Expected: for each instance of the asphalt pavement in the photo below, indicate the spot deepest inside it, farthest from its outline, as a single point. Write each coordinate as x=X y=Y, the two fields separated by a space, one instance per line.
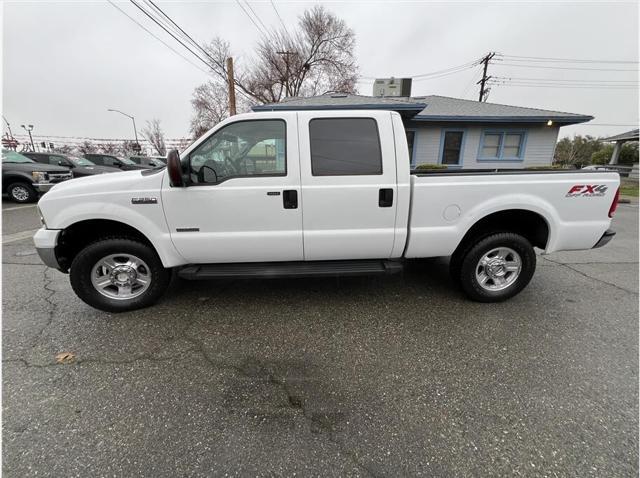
x=385 y=376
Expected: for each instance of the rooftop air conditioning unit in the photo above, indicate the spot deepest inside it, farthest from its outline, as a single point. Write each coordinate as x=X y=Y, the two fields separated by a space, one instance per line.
x=392 y=87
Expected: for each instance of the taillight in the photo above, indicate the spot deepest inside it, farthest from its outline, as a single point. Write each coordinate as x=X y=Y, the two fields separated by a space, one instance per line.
x=614 y=204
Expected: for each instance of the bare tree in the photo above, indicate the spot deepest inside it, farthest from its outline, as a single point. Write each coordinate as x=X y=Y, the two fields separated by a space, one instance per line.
x=210 y=104
x=63 y=149
x=153 y=133
x=128 y=148
x=87 y=147
x=109 y=148
x=317 y=58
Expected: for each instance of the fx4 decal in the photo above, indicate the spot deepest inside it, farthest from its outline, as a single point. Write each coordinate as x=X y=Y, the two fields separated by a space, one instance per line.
x=587 y=190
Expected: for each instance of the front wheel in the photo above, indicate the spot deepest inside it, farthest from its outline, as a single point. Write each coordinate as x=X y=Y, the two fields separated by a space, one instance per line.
x=498 y=267
x=22 y=193
x=118 y=274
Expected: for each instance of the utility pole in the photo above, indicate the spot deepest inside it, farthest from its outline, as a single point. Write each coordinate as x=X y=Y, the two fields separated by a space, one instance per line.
x=484 y=92
x=232 y=87
x=28 y=129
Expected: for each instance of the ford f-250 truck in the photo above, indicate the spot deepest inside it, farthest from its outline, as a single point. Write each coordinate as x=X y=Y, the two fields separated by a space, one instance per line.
x=312 y=193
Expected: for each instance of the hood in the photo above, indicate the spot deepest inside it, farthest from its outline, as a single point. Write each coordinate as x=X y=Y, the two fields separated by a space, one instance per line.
x=138 y=166
x=29 y=167
x=95 y=169
x=100 y=196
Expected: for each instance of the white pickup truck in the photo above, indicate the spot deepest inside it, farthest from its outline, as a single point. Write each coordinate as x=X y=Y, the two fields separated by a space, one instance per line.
x=312 y=193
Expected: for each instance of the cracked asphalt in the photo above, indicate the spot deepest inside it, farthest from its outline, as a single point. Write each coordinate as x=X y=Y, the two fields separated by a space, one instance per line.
x=387 y=376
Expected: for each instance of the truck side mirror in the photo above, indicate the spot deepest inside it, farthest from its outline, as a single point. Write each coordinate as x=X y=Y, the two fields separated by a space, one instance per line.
x=175 y=169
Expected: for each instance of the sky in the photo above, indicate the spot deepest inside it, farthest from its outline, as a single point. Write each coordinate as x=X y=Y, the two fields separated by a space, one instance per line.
x=65 y=63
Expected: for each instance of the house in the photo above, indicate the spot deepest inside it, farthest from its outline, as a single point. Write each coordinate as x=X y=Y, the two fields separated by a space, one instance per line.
x=619 y=140
x=459 y=133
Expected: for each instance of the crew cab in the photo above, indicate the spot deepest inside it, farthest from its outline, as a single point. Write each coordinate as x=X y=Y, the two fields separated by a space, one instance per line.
x=305 y=193
x=23 y=179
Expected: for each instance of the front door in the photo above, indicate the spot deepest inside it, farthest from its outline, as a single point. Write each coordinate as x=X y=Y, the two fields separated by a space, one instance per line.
x=349 y=188
x=243 y=201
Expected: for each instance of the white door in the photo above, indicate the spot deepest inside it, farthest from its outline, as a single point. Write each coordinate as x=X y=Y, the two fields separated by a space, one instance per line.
x=242 y=203
x=349 y=188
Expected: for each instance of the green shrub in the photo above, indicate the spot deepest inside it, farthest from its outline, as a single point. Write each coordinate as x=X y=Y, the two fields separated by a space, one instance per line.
x=431 y=166
x=545 y=168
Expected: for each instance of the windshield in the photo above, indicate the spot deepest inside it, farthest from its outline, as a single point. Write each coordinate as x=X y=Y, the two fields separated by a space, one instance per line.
x=13 y=157
x=126 y=161
x=78 y=161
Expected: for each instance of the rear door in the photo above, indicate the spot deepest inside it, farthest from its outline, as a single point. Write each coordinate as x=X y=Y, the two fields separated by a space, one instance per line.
x=349 y=187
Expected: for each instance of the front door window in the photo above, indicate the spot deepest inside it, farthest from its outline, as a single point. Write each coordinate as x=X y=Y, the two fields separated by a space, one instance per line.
x=242 y=149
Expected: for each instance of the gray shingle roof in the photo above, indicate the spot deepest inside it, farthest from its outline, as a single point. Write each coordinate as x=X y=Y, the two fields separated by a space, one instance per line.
x=344 y=101
x=456 y=109
x=430 y=108
x=628 y=136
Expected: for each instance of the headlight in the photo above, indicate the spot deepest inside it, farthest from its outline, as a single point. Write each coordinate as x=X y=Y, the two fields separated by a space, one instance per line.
x=42 y=221
x=40 y=177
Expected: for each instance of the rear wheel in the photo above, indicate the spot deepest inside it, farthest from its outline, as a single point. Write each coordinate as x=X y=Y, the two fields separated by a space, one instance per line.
x=497 y=267
x=118 y=274
x=22 y=192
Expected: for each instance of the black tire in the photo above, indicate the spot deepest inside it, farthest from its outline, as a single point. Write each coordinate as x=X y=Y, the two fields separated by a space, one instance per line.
x=22 y=192
x=87 y=258
x=467 y=264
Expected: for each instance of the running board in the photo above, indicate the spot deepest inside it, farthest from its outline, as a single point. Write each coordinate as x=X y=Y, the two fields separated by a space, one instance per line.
x=268 y=270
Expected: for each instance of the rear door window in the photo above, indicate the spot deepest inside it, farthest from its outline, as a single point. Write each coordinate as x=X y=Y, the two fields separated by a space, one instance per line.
x=345 y=147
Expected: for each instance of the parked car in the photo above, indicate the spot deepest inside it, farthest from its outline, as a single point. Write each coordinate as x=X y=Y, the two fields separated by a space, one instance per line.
x=153 y=161
x=23 y=179
x=114 y=161
x=304 y=193
x=81 y=166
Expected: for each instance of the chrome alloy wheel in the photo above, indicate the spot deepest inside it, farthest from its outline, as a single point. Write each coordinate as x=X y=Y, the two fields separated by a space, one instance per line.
x=498 y=268
x=20 y=193
x=121 y=276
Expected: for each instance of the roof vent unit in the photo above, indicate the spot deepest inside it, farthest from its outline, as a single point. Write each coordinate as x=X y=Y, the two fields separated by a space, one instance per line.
x=392 y=87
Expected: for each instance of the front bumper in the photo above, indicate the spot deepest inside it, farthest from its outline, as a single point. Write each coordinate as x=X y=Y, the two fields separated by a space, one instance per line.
x=43 y=187
x=606 y=237
x=46 y=241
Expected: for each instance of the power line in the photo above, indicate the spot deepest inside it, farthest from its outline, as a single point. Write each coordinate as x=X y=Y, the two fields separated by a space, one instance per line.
x=183 y=33
x=564 y=67
x=534 y=85
x=256 y=16
x=157 y=38
x=186 y=37
x=434 y=74
x=543 y=59
x=251 y=18
x=563 y=80
x=474 y=78
x=170 y=33
x=280 y=18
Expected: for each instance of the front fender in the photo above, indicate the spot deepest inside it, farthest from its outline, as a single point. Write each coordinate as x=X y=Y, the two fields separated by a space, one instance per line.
x=148 y=220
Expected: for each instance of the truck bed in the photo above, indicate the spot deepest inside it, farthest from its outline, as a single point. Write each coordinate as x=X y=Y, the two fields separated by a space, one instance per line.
x=445 y=204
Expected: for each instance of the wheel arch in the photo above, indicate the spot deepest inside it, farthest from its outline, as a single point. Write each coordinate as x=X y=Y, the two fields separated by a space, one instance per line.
x=534 y=225
x=10 y=179
x=74 y=237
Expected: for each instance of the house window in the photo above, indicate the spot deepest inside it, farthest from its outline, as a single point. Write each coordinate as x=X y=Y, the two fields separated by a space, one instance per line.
x=451 y=147
x=411 y=138
x=502 y=145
